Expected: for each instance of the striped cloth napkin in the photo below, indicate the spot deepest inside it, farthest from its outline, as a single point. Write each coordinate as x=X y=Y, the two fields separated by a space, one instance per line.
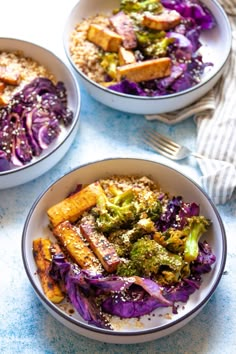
x=215 y=116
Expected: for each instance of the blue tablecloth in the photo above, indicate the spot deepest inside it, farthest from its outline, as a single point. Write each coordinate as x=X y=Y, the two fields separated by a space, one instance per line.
x=25 y=325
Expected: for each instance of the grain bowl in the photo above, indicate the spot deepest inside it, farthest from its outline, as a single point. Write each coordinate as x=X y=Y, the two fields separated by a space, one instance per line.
x=133 y=308
x=39 y=111
x=165 y=69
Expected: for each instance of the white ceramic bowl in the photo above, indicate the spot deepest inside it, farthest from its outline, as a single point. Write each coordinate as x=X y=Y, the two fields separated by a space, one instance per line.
x=170 y=180
x=216 y=44
x=59 y=147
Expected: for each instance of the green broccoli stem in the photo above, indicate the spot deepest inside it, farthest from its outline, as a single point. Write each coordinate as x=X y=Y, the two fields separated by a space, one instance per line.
x=191 y=245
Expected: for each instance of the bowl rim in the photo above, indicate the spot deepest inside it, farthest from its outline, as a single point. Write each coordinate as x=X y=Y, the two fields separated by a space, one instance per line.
x=146 y=98
x=98 y=330
x=76 y=113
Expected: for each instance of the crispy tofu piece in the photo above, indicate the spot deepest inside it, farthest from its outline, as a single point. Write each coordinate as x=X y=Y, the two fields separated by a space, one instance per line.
x=146 y=70
x=108 y=83
x=42 y=257
x=100 y=245
x=73 y=206
x=2 y=87
x=162 y=22
x=9 y=76
x=124 y=27
x=126 y=56
x=105 y=38
x=71 y=241
x=3 y=101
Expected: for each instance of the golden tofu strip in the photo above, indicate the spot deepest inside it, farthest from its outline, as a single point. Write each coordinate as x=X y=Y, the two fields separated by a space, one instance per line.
x=73 y=206
x=126 y=56
x=162 y=22
x=42 y=257
x=8 y=76
x=124 y=27
x=105 y=38
x=100 y=245
x=2 y=87
x=146 y=70
x=70 y=240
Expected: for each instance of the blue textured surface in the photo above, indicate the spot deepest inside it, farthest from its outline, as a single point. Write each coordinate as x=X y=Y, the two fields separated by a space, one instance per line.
x=25 y=326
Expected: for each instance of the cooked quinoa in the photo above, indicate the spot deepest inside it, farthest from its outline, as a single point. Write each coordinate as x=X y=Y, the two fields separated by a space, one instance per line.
x=85 y=54
x=27 y=69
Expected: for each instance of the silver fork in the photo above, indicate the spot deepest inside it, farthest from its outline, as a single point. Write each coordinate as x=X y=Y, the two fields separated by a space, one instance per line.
x=166 y=146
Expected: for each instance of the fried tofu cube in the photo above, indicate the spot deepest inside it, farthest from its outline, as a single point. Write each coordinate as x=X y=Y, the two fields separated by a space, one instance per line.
x=124 y=27
x=105 y=38
x=144 y=71
x=42 y=257
x=126 y=56
x=162 y=22
x=73 y=206
x=100 y=245
x=9 y=76
x=3 y=101
x=71 y=241
x=2 y=87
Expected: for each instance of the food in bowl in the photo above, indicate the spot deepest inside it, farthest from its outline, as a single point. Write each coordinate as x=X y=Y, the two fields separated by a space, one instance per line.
x=33 y=108
x=145 y=48
x=122 y=247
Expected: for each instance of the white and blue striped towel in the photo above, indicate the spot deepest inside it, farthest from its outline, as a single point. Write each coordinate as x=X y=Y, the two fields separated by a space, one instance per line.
x=215 y=116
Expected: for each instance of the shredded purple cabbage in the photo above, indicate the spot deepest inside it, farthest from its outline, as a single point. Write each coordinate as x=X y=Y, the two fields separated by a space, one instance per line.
x=126 y=297
x=187 y=63
x=192 y=9
x=32 y=121
x=176 y=214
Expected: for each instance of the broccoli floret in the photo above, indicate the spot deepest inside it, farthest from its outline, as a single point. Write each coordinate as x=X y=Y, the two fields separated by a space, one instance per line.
x=115 y=212
x=148 y=205
x=158 y=48
x=184 y=241
x=123 y=240
x=197 y=226
x=129 y=6
x=145 y=38
x=172 y=239
x=109 y=62
x=148 y=258
x=152 y=43
x=124 y=208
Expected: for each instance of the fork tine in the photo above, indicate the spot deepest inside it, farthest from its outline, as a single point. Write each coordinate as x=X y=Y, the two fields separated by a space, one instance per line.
x=160 y=144
x=164 y=140
x=159 y=147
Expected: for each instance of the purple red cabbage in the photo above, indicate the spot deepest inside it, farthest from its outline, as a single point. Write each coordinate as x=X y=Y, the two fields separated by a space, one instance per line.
x=32 y=121
x=126 y=297
x=192 y=9
x=187 y=63
x=176 y=213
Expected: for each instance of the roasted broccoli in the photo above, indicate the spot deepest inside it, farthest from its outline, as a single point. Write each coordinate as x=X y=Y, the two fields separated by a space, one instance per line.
x=148 y=258
x=123 y=208
x=123 y=240
x=109 y=62
x=146 y=38
x=153 y=44
x=129 y=6
x=148 y=205
x=184 y=241
x=113 y=213
x=172 y=239
x=197 y=226
x=158 y=48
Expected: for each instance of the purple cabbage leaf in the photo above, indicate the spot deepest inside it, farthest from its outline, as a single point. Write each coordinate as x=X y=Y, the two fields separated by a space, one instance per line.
x=32 y=121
